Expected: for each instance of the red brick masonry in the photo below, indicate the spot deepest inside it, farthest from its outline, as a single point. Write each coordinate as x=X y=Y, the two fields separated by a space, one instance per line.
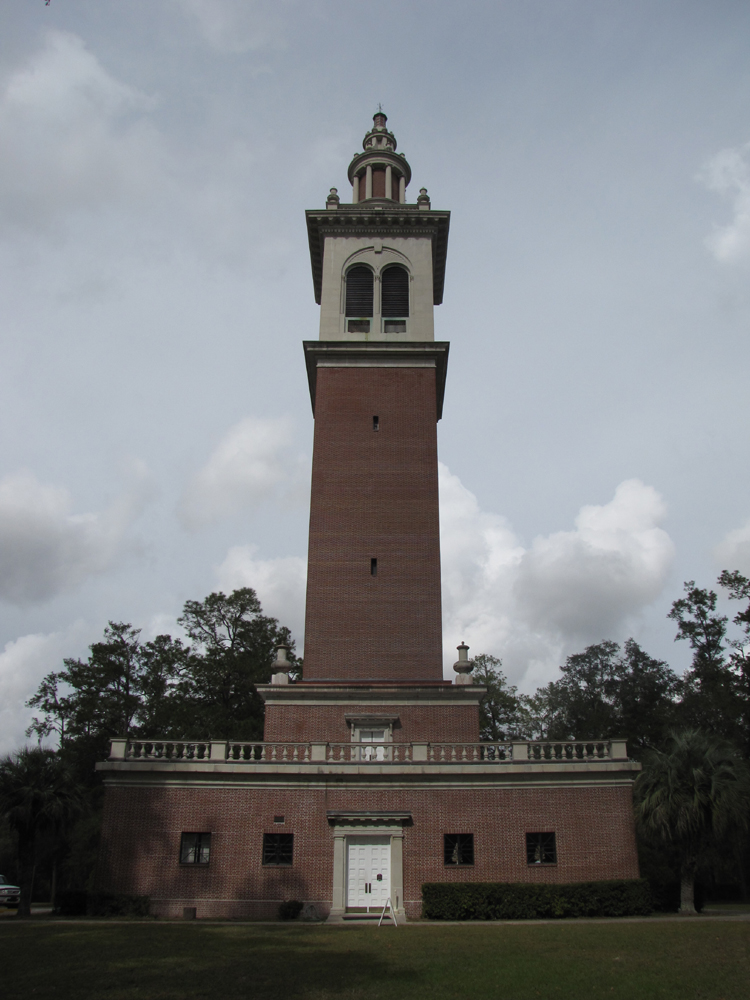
x=374 y=496
x=448 y=723
x=142 y=827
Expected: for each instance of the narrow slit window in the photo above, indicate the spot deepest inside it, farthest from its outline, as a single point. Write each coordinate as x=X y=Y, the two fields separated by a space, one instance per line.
x=376 y=423
x=373 y=567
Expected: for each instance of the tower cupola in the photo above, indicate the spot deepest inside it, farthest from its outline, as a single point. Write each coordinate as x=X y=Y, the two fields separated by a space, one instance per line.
x=379 y=171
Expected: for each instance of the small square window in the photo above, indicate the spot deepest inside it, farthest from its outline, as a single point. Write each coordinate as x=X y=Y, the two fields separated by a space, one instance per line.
x=278 y=819
x=541 y=849
x=458 y=848
x=278 y=848
x=195 y=848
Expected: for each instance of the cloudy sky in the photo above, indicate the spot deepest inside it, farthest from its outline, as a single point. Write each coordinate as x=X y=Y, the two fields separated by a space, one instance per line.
x=156 y=158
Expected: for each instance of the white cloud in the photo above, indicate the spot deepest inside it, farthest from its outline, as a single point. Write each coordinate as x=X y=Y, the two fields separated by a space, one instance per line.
x=23 y=664
x=44 y=548
x=728 y=174
x=237 y=25
x=72 y=137
x=251 y=463
x=279 y=583
x=530 y=606
x=733 y=551
x=533 y=605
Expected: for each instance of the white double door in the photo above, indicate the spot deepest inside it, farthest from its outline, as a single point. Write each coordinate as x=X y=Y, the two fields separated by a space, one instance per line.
x=368 y=871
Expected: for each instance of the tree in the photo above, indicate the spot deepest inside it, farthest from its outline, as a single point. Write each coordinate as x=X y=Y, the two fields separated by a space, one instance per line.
x=38 y=793
x=502 y=714
x=235 y=645
x=739 y=658
x=165 y=688
x=711 y=694
x=608 y=692
x=693 y=795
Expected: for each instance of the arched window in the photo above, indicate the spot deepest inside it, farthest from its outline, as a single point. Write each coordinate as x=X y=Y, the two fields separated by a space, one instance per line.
x=395 y=292
x=359 y=291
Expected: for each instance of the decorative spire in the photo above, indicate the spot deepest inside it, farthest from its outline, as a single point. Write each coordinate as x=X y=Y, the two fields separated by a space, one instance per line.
x=379 y=171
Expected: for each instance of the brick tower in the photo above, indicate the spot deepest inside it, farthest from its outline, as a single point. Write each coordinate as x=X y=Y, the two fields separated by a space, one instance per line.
x=377 y=375
x=376 y=381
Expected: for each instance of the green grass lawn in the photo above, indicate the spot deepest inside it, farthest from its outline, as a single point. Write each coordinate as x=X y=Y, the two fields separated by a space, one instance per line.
x=566 y=961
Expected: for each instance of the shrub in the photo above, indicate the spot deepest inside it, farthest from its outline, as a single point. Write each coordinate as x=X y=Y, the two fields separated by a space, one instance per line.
x=290 y=909
x=79 y=903
x=522 y=901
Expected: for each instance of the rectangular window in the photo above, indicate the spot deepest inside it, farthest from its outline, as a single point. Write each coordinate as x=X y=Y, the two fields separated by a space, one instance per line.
x=278 y=819
x=458 y=848
x=373 y=567
x=278 y=848
x=195 y=848
x=541 y=849
x=376 y=423
x=358 y=326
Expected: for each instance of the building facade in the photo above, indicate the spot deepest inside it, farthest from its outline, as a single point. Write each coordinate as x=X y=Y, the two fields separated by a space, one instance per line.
x=371 y=779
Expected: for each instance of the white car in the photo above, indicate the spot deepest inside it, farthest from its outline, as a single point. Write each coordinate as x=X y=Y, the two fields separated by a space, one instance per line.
x=10 y=895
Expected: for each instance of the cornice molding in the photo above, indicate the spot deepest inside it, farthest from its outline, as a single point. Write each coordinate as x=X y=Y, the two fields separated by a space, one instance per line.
x=383 y=218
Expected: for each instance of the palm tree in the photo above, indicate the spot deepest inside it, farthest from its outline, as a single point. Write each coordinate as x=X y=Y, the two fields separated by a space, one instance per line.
x=37 y=792
x=693 y=794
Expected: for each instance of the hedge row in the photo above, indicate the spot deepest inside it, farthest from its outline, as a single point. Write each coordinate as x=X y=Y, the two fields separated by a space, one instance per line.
x=80 y=903
x=522 y=901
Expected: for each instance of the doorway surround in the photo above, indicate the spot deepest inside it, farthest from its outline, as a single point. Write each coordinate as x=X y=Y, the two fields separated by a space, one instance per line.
x=347 y=826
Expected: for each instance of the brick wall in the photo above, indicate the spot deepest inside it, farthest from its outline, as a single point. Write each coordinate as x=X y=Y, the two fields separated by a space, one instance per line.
x=374 y=495
x=416 y=723
x=142 y=827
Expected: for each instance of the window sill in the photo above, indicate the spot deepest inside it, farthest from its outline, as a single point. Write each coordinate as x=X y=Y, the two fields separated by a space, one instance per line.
x=194 y=864
x=541 y=864
x=276 y=864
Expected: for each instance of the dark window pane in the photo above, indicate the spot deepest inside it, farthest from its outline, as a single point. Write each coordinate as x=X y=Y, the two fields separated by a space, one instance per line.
x=395 y=291
x=541 y=849
x=359 y=283
x=195 y=848
x=278 y=848
x=458 y=848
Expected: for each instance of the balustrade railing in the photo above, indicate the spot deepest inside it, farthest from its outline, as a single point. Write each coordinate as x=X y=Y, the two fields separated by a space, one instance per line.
x=167 y=750
x=257 y=752
x=369 y=753
x=276 y=753
x=571 y=750
x=469 y=753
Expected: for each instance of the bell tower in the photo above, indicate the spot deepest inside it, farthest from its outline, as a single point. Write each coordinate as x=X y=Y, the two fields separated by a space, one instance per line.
x=376 y=381
x=373 y=666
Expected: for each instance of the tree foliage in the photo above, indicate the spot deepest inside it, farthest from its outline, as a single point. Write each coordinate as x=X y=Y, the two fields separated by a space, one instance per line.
x=693 y=795
x=165 y=687
x=38 y=793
